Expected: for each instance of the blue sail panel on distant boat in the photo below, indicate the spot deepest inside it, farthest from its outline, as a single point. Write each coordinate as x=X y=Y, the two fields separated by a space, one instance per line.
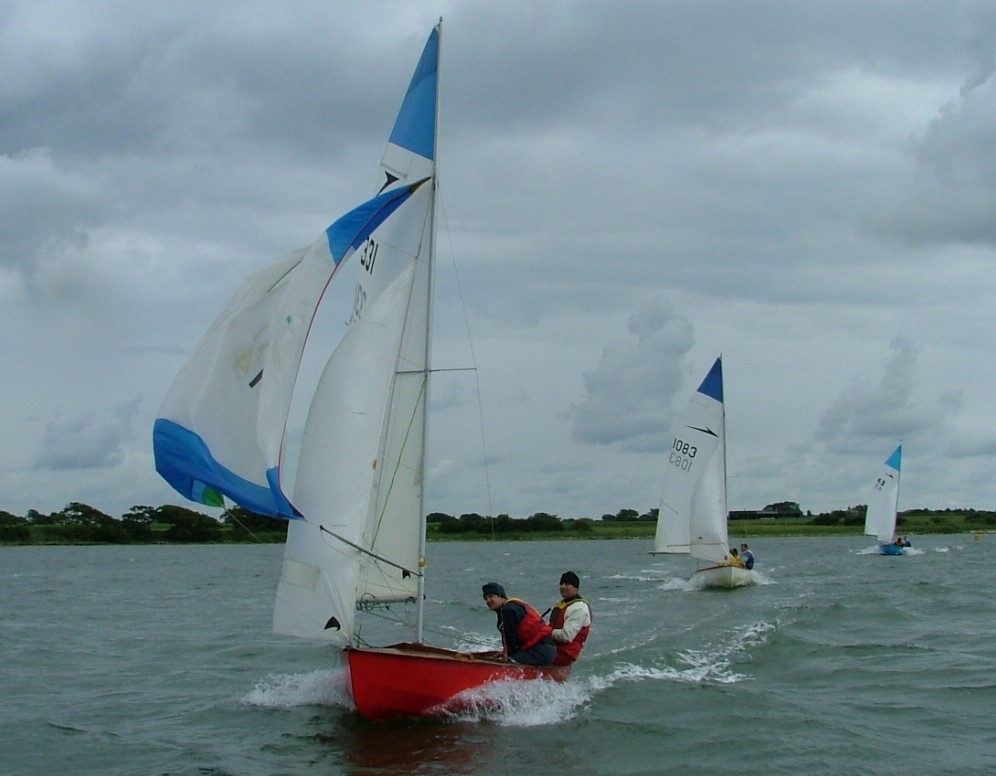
x=221 y=428
x=896 y=458
x=880 y=515
x=712 y=385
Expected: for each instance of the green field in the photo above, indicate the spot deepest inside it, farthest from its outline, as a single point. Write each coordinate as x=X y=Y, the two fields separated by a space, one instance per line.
x=910 y=523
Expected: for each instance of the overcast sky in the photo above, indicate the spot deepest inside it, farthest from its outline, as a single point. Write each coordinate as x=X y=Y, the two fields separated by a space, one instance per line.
x=628 y=189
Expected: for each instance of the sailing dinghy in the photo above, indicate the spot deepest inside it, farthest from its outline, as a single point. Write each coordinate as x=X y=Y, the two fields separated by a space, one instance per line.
x=880 y=517
x=692 y=517
x=356 y=533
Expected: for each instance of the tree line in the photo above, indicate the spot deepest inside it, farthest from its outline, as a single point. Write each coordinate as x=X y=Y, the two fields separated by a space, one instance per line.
x=82 y=524
x=544 y=522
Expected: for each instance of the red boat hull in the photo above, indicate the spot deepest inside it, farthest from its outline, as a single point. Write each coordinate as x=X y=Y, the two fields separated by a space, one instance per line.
x=411 y=680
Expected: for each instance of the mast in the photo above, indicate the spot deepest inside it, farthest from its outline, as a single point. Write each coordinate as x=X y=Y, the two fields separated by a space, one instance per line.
x=899 y=476
x=726 y=503
x=427 y=363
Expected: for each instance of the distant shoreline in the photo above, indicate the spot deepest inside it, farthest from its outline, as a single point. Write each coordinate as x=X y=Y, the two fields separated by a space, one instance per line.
x=740 y=531
x=80 y=524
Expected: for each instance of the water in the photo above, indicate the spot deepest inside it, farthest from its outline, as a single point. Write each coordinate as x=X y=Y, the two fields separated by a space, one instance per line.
x=160 y=660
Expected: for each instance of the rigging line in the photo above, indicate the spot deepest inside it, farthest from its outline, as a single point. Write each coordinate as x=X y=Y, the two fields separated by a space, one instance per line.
x=734 y=484
x=388 y=616
x=734 y=479
x=473 y=358
x=419 y=401
x=230 y=513
x=434 y=371
x=464 y=636
x=365 y=551
x=391 y=616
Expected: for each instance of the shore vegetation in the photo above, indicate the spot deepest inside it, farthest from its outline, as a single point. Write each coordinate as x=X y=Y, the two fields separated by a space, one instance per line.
x=82 y=524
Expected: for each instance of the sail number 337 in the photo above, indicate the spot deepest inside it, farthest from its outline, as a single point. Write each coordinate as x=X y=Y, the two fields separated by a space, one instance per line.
x=367 y=260
x=681 y=454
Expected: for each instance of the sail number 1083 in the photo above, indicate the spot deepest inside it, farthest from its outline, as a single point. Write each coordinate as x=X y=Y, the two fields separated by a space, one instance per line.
x=681 y=454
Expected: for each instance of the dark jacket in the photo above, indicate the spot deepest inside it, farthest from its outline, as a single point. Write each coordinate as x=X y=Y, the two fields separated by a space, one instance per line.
x=521 y=626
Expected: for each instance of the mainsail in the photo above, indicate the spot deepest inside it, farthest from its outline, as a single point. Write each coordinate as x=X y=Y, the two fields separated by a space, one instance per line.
x=358 y=487
x=360 y=474
x=693 y=514
x=880 y=518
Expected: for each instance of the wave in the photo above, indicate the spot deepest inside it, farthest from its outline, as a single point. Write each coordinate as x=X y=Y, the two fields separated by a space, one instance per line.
x=537 y=703
x=526 y=703
x=325 y=687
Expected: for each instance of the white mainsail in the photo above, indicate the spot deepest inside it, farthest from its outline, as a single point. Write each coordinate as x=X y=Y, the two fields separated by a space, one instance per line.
x=360 y=475
x=693 y=514
x=880 y=518
x=356 y=534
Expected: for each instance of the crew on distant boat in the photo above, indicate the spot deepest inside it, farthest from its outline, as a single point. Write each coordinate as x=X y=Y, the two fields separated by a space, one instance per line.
x=525 y=635
x=746 y=556
x=570 y=619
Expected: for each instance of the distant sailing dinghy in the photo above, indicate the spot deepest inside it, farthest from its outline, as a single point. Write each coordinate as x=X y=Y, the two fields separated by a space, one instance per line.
x=880 y=519
x=356 y=537
x=692 y=517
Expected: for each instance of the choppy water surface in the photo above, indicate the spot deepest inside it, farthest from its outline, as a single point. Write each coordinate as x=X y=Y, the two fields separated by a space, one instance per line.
x=160 y=660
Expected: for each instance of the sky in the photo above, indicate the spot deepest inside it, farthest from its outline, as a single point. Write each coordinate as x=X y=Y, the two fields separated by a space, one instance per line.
x=627 y=191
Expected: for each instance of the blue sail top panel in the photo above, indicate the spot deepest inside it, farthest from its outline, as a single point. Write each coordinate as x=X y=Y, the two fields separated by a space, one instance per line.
x=896 y=458
x=712 y=385
x=415 y=127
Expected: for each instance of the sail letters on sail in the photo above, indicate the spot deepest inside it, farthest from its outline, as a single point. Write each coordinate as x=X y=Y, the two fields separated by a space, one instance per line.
x=219 y=433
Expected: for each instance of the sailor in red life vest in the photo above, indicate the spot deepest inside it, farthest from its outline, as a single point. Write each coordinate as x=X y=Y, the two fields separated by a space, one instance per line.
x=570 y=619
x=524 y=633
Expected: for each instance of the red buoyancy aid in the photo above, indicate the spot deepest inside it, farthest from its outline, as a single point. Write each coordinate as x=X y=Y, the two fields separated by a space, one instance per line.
x=568 y=651
x=532 y=628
